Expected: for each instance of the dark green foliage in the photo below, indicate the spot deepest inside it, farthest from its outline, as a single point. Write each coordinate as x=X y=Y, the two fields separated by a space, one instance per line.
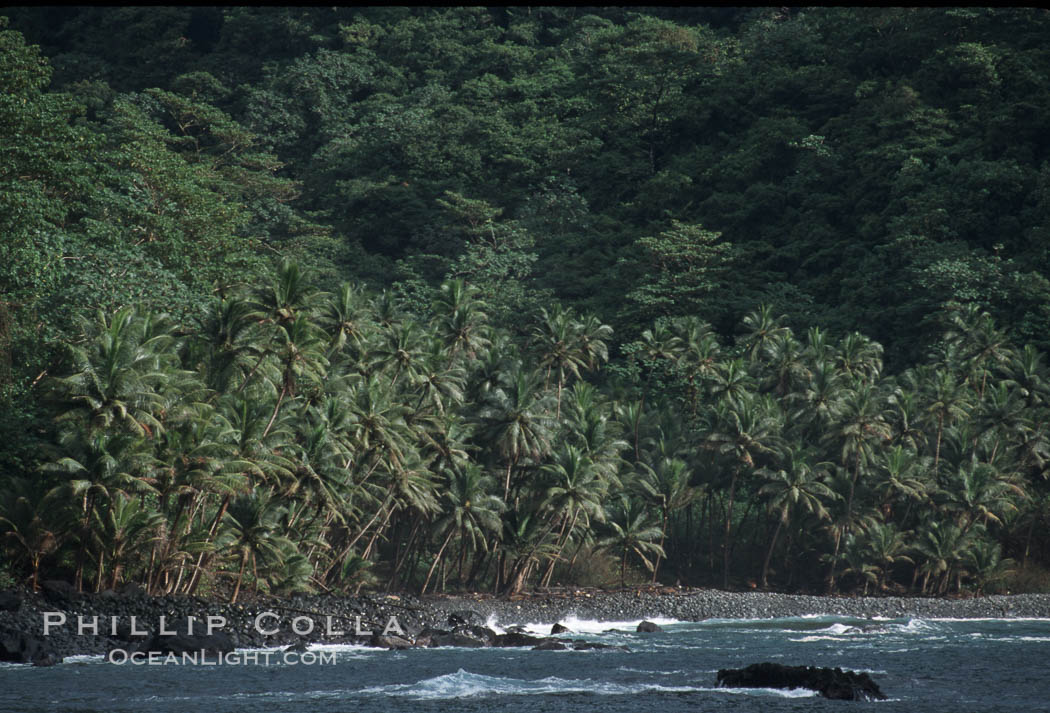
x=725 y=294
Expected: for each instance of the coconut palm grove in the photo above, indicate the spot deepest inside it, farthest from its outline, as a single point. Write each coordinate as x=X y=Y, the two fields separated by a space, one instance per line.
x=464 y=299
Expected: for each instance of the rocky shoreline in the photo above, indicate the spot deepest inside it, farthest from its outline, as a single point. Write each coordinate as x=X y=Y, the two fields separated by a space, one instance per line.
x=367 y=618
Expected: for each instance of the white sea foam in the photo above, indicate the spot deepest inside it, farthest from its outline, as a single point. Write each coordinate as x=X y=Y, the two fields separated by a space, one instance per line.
x=839 y=629
x=592 y=626
x=492 y=623
x=651 y=672
x=85 y=658
x=462 y=684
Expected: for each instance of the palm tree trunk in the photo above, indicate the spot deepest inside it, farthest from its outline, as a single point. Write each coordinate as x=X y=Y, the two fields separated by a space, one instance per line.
x=202 y=559
x=663 y=536
x=834 y=560
x=437 y=558
x=769 y=553
x=400 y=562
x=937 y=450
x=725 y=538
x=562 y=537
x=358 y=536
x=273 y=417
x=251 y=373
x=101 y=569
x=240 y=576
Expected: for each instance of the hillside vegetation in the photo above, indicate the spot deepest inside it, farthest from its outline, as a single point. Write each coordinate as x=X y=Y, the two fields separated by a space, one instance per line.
x=336 y=298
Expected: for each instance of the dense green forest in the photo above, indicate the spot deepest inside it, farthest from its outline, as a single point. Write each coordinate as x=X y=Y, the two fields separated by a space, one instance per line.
x=323 y=299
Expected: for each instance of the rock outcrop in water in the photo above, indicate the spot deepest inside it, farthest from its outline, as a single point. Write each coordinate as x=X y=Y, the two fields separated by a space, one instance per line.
x=20 y=647
x=829 y=682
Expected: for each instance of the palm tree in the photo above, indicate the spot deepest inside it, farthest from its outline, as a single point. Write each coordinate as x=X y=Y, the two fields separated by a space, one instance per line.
x=400 y=351
x=593 y=337
x=631 y=532
x=378 y=432
x=1002 y=414
x=906 y=418
x=948 y=400
x=198 y=458
x=438 y=383
x=576 y=489
x=700 y=352
x=23 y=516
x=345 y=317
x=941 y=551
x=116 y=373
x=763 y=329
x=900 y=473
x=517 y=421
x=986 y=565
x=565 y=347
x=661 y=344
x=253 y=535
x=322 y=478
x=732 y=380
x=286 y=297
x=788 y=370
x=743 y=430
x=886 y=546
x=857 y=561
x=123 y=527
x=524 y=544
x=589 y=426
x=973 y=333
x=667 y=487
x=300 y=352
x=461 y=320
x=1028 y=375
x=228 y=338
x=795 y=487
x=470 y=511
x=862 y=425
x=979 y=493
x=859 y=358
x=820 y=399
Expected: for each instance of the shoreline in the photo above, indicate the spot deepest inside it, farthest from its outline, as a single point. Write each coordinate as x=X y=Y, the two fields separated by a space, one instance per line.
x=22 y=613
x=704 y=604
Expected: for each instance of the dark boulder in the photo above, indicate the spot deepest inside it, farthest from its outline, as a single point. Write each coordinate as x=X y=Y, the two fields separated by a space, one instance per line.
x=427 y=637
x=19 y=647
x=132 y=589
x=58 y=591
x=473 y=637
x=510 y=640
x=379 y=641
x=550 y=645
x=829 y=682
x=185 y=641
x=559 y=629
x=648 y=627
x=298 y=647
x=460 y=639
x=465 y=617
x=481 y=633
x=10 y=601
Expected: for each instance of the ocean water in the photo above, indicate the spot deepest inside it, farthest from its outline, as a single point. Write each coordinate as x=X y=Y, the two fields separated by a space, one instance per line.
x=922 y=665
